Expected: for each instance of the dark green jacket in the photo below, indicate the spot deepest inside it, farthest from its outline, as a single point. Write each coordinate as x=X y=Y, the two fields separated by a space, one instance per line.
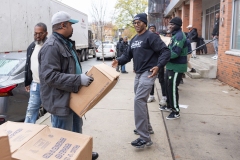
x=179 y=49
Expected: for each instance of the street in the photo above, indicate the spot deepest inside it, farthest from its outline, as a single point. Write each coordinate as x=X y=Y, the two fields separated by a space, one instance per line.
x=207 y=130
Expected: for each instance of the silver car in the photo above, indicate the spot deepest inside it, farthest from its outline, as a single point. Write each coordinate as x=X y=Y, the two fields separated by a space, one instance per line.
x=108 y=50
x=13 y=97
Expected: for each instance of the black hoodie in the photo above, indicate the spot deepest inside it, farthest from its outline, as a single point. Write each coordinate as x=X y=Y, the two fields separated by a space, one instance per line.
x=147 y=51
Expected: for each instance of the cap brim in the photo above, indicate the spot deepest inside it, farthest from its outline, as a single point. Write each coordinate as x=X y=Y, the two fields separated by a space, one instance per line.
x=73 y=21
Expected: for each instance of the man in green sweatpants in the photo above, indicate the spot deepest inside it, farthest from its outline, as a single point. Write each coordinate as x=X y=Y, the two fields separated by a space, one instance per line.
x=175 y=67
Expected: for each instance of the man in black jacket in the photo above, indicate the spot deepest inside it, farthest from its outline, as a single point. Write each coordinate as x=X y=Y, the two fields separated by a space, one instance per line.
x=193 y=38
x=149 y=54
x=32 y=82
x=123 y=48
x=60 y=74
x=215 y=34
x=118 y=51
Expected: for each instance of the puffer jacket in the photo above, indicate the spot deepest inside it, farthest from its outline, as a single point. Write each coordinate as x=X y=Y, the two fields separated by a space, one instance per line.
x=57 y=76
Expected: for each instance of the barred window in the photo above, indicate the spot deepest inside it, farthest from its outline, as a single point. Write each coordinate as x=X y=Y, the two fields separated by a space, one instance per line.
x=210 y=18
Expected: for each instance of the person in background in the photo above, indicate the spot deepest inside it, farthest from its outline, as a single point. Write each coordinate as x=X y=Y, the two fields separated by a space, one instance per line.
x=193 y=38
x=149 y=53
x=118 y=51
x=215 y=34
x=32 y=82
x=189 y=54
x=175 y=67
x=61 y=74
x=151 y=97
x=123 y=48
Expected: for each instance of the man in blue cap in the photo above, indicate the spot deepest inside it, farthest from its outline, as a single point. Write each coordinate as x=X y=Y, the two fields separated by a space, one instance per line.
x=60 y=74
x=149 y=54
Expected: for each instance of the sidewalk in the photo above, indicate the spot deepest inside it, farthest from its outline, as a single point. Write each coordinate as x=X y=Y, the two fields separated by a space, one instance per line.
x=207 y=129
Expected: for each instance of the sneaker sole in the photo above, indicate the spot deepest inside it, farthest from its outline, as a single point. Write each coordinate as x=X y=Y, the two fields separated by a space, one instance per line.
x=149 y=133
x=149 y=144
x=165 y=110
x=172 y=118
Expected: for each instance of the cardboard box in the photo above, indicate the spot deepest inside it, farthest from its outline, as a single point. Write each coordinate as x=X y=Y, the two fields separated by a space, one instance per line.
x=33 y=141
x=5 y=153
x=105 y=78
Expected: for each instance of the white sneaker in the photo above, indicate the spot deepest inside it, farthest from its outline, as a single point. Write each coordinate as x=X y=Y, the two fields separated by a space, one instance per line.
x=151 y=99
x=215 y=58
x=163 y=101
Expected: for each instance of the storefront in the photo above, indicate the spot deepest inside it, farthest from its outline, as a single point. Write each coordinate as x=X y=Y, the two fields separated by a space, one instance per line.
x=201 y=14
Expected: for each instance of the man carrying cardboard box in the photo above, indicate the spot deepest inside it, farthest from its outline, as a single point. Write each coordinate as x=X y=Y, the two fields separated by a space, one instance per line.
x=149 y=54
x=60 y=74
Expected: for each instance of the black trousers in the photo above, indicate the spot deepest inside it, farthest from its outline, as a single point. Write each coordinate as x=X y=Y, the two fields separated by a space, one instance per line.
x=172 y=82
x=161 y=81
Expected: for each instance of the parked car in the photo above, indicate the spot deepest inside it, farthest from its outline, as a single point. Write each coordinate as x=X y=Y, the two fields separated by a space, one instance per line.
x=108 y=49
x=13 y=97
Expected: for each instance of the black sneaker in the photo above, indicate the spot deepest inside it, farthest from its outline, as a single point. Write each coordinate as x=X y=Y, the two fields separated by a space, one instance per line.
x=173 y=115
x=125 y=72
x=193 y=70
x=139 y=143
x=150 y=132
x=165 y=108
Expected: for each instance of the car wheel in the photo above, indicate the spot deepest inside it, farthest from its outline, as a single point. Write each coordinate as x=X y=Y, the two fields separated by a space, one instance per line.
x=86 y=54
x=82 y=56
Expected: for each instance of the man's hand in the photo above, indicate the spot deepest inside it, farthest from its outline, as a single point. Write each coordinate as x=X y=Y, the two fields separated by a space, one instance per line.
x=114 y=63
x=86 y=80
x=154 y=71
x=27 y=88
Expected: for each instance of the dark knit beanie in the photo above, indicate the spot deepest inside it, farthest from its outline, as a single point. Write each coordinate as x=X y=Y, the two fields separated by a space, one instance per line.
x=142 y=17
x=177 y=21
x=151 y=25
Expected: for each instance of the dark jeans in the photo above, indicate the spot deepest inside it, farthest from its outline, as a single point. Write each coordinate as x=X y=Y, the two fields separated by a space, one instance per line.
x=161 y=81
x=172 y=82
x=71 y=122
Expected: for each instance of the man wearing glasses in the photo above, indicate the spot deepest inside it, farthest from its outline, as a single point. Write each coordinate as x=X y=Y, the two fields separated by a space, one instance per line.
x=32 y=82
x=149 y=54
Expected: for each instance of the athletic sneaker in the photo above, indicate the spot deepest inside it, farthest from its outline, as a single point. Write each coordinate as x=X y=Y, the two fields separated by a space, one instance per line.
x=140 y=143
x=215 y=57
x=173 y=115
x=163 y=101
x=150 y=131
x=151 y=99
x=165 y=108
x=193 y=70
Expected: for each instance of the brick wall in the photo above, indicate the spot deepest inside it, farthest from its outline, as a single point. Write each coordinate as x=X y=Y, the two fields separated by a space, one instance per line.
x=185 y=17
x=228 y=65
x=195 y=15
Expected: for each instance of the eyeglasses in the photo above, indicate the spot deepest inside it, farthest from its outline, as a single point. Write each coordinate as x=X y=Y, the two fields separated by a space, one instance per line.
x=40 y=34
x=136 y=23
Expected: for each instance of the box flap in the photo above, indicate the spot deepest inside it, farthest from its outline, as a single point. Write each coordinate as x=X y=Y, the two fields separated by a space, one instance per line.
x=20 y=133
x=110 y=72
x=5 y=153
x=56 y=144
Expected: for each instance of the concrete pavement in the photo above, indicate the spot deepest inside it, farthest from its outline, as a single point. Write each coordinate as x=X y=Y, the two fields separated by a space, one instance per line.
x=208 y=128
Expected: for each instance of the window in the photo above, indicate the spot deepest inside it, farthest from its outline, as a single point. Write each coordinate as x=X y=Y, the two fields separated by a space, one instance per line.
x=210 y=17
x=236 y=26
x=8 y=66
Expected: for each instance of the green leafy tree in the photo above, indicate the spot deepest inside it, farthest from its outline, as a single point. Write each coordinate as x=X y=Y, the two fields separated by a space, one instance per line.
x=125 y=10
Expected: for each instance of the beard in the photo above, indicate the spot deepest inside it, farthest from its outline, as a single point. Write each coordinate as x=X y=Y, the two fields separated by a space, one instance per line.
x=39 y=43
x=70 y=35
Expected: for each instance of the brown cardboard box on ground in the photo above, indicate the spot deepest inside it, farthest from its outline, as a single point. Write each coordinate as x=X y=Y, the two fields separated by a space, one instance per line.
x=105 y=78
x=33 y=141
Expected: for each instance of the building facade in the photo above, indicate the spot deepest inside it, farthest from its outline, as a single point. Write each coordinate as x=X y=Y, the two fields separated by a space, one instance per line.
x=201 y=14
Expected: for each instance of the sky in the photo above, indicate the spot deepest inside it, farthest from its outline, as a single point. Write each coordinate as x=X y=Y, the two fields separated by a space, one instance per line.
x=85 y=6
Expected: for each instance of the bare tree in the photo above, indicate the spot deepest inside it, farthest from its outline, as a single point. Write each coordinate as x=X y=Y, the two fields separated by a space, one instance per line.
x=98 y=13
